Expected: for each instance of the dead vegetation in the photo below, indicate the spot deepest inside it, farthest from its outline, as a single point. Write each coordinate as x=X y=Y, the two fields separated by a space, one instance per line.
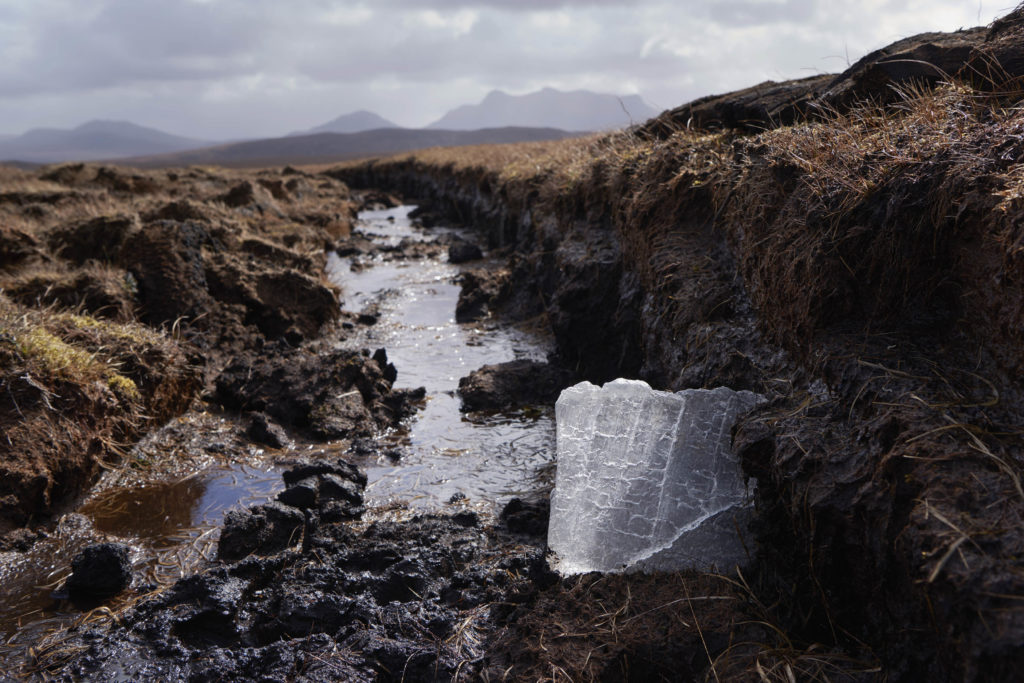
x=666 y=627
x=863 y=268
x=113 y=281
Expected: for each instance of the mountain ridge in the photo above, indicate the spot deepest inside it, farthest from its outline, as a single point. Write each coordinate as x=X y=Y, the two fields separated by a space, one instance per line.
x=330 y=147
x=92 y=141
x=548 y=107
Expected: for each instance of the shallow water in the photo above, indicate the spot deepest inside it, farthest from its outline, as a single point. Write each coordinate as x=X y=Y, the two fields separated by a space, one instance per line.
x=486 y=457
x=171 y=526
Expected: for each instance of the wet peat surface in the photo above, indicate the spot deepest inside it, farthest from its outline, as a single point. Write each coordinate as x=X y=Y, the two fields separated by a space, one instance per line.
x=393 y=577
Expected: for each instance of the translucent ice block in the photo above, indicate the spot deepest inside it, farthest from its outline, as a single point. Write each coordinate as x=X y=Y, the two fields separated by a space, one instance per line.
x=646 y=480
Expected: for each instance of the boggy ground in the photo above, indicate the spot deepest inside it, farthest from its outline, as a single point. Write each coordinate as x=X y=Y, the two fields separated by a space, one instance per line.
x=124 y=294
x=302 y=589
x=849 y=246
x=859 y=264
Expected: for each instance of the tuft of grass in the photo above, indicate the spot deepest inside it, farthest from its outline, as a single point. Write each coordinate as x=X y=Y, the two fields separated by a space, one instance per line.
x=69 y=363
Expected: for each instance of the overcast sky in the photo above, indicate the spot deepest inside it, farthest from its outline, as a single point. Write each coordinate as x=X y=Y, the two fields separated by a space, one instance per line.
x=226 y=69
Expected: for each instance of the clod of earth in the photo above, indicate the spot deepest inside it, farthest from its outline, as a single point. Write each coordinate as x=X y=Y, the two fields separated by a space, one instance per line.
x=100 y=571
x=514 y=384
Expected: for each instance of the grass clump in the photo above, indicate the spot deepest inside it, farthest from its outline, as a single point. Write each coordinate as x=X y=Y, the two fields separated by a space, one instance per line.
x=61 y=360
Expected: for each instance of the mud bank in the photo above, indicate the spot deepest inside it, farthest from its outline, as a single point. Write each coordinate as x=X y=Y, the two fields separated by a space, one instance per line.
x=123 y=294
x=860 y=267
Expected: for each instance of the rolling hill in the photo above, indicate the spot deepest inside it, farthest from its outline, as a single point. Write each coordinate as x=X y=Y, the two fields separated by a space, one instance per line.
x=92 y=141
x=327 y=147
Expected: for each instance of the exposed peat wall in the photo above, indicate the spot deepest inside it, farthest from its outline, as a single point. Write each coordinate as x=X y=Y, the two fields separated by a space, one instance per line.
x=865 y=272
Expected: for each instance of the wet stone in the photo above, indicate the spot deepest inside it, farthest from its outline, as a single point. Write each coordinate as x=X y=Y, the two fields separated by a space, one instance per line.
x=264 y=431
x=335 y=488
x=338 y=511
x=526 y=516
x=262 y=529
x=513 y=384
x=341 y=468
x=100 y=571
x=461 y=252
x=302 y=495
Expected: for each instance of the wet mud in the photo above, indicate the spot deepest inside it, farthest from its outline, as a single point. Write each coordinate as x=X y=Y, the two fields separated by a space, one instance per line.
x=721 y=244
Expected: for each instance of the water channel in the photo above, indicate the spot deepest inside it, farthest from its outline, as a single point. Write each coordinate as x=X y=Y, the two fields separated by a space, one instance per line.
x=171 y=521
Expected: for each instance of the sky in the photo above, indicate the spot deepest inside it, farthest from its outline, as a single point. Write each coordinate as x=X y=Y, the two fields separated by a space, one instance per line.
x=232 y=69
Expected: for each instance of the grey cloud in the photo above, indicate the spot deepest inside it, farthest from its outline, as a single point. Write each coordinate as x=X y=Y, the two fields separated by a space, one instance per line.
x=517 y=5
x=761 y=12
x=272 y=63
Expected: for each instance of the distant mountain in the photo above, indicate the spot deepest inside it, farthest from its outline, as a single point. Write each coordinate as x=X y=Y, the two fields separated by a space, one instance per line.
x=91 y=141
x=579 y=110
x=355 y=122
x=330 y=147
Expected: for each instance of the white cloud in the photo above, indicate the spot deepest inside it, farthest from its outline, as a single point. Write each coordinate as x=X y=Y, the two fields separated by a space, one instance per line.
x=230 y=68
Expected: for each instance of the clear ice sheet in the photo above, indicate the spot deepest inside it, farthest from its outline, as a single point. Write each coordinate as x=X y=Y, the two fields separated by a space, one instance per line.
x=646 y=480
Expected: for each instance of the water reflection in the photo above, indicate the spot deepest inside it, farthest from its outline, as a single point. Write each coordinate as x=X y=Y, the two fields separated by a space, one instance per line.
x=484 y=457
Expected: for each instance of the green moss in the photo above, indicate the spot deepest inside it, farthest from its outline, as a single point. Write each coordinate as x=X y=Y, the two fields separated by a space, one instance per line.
x=123 y=386
x=62 y=360
x=58 y=357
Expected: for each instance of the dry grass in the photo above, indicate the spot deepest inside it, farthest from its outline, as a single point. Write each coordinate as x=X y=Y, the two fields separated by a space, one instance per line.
x=660 y=627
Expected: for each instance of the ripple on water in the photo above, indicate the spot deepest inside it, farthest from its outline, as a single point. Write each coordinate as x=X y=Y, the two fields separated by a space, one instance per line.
x=486 y=458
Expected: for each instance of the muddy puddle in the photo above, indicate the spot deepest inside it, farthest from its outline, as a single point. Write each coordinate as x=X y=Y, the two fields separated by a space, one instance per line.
x=171 y=519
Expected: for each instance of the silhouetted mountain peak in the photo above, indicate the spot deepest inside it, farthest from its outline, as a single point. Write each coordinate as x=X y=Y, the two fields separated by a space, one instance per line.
x=578 y=110
x=353 y=122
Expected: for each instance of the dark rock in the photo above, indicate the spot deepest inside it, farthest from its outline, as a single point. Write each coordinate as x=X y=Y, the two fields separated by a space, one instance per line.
x=262 y=530
x=334 y=487
x=924 y=59
x=461 y=252
x=240 y=195
x=179 y=210
x=339 y=510
x=377 y=605
x=762 y=106
x=380 y=356
x=165 y=257
x=528 y=517
x=513 y=384
x=481 y=290
x=339 y=468
x=302 y=495
x=276 y=188
x=467 y=518
x=375 y=200
x=331 y=394
x=100 y=571
x=427 y=216
x=263 y=430
x=281 y=302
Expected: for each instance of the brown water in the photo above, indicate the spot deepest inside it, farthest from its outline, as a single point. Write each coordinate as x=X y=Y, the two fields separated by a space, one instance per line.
x=171 y=520
x=171 y=526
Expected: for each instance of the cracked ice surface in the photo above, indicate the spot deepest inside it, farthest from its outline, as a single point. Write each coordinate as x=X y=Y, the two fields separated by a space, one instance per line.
x=646 y=480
